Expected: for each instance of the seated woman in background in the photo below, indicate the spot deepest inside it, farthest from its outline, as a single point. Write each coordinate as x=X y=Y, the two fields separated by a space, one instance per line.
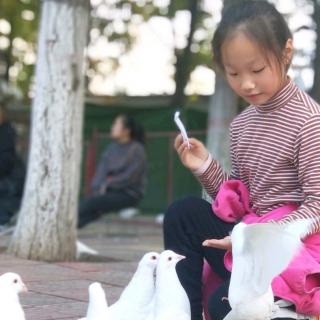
x=12 y=170
x=120 y=177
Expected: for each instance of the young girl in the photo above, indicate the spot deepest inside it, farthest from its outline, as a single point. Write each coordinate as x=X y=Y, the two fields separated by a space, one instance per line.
x=275 y=147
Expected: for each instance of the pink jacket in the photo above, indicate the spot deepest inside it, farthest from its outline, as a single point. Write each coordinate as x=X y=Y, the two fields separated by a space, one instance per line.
x=300 y=282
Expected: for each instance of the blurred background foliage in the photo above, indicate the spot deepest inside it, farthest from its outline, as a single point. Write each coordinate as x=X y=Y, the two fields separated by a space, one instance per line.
x=116 y=22
x=114 y=33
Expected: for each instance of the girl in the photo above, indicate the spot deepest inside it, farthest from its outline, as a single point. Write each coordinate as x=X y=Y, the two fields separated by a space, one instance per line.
x=274 y=147
x=119 y=181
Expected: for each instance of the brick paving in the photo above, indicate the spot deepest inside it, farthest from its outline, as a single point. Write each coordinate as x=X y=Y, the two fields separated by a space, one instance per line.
x=60 y=290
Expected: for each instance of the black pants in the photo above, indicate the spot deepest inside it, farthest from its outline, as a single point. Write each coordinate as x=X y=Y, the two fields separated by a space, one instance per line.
x=91 y=208
x=188 y=222
x=9 y=205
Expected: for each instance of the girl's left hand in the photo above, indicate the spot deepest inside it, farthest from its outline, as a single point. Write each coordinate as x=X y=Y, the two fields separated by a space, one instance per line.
x=224 y=244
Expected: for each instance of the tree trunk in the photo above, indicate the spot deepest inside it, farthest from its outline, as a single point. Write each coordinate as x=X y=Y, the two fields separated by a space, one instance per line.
x=223 y=108
x=46 y=228
x=315 y=91
x=182 y=66
x=8 y=53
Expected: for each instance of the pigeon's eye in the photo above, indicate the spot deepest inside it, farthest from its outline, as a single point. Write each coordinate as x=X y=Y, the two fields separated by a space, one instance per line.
x=15 y=281
x=153 y=257
x=170 y=258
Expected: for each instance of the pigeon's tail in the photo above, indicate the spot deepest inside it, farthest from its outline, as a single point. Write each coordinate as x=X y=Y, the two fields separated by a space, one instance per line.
x=98 y=306
x=95 y=290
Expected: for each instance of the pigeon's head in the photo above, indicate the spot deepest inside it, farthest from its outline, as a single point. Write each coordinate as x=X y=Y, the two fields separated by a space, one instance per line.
x=13 y=281
x=168 y=258
x=150 y=259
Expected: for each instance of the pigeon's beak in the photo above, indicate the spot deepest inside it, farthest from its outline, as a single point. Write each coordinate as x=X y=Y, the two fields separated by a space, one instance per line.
x=180 y=257
x=24 y=288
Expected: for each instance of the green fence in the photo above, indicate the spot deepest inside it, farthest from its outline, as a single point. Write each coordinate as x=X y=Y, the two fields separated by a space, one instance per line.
x=167 y=178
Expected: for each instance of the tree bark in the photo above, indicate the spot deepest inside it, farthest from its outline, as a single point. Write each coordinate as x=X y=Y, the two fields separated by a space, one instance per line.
x=223 y=108
x=182 y=65
x=315 y=91
x=46 y=228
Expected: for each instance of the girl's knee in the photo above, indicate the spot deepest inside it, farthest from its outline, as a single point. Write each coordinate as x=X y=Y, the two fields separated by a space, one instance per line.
x=180 y=208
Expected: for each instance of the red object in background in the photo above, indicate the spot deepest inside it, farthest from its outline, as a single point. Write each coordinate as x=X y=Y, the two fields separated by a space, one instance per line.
x=90 y=164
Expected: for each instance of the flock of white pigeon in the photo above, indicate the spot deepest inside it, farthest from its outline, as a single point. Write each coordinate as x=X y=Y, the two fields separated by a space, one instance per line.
x=153 y=293
x=260 y=252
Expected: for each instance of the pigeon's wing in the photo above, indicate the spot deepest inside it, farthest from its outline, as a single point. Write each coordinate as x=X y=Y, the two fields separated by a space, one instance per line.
x=150 y=316
x=184 y=316
x=10 y=307
x=241 y=267
x=12 y=311
x=136 y=297
x=20 y=314
x=261 y=252
x=271 y=248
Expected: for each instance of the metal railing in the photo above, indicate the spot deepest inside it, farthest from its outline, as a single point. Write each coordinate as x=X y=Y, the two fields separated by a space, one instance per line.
x=92 y=154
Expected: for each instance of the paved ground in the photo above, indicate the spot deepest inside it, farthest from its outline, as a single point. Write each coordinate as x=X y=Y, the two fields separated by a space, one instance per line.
x=59 y=290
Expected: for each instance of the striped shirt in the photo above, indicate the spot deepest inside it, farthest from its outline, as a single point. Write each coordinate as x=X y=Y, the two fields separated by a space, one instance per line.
x=275 y=152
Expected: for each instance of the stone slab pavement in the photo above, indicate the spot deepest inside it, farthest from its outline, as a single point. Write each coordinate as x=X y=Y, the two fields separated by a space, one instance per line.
x=60 y=290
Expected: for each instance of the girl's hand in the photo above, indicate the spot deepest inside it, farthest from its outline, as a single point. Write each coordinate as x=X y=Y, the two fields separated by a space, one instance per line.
x=224 y=244
x=194 y=157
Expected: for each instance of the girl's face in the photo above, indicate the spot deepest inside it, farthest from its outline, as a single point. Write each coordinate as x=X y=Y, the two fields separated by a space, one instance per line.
x=118 y=130
x=250 y=74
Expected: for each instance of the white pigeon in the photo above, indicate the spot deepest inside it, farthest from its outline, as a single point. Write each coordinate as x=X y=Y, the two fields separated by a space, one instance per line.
x=98 y=306
x=10 y=287
x=260 y=253
x=136 y=299
x=171 y=301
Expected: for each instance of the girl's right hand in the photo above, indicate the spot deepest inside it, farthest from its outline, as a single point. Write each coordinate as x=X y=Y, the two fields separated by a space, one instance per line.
x=194 y=157
x=224 y=244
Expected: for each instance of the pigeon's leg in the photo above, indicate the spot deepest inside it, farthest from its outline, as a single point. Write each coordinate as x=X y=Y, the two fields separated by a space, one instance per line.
x=187 y=223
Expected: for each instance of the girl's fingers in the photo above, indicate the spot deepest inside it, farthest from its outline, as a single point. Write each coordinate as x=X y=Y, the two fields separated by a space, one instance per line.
x=183 y=147
x=194 y=140
x=180 y=149
x=217 y=243
x=178 y=141
x=211 y=243
x=184 y=152
x=179 y=144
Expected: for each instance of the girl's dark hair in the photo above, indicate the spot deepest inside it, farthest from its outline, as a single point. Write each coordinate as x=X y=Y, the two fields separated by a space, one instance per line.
x=260 y=21
x=136 y=130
